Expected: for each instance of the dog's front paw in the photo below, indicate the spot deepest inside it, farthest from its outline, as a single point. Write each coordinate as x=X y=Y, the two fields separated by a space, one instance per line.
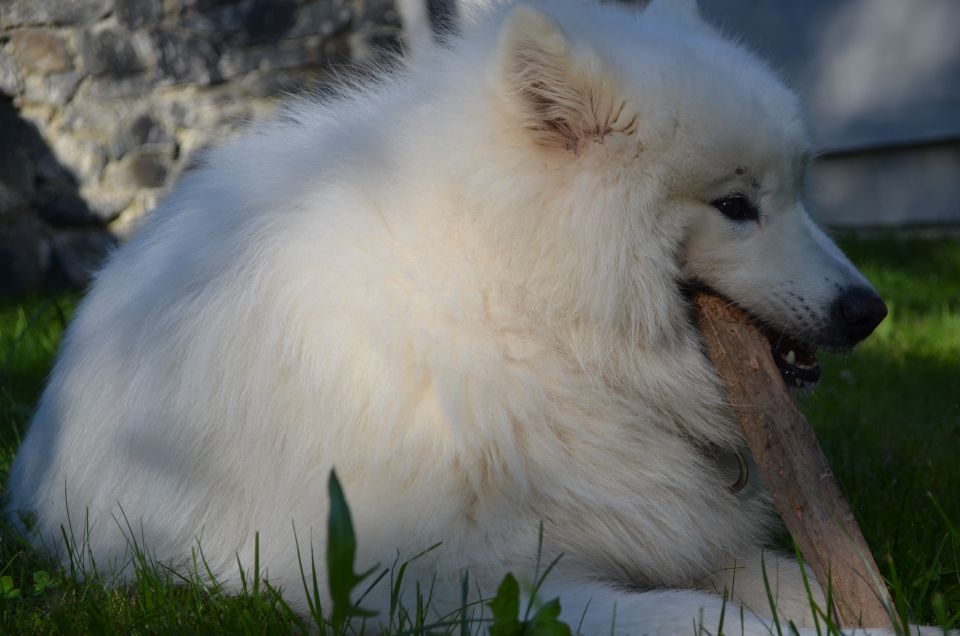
x=915 y=630
x=923 y=630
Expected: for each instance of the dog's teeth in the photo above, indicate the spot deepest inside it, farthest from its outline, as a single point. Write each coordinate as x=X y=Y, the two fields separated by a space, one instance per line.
x=791 y=357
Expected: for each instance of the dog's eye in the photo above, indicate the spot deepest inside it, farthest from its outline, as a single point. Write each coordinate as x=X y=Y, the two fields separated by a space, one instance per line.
x=737 y=208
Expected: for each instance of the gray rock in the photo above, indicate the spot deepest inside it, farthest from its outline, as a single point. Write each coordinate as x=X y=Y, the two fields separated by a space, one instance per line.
x=205 y=5
x=311 y=54
x=144 y=168
x=56 y=89
x=180 y=114
x=18 y=12
x=229 y=19
x=40 y=50
x=275 y=83
x=327 y=18
x=183 y=59
x=39 y=115
x=84 y=158
x=77 y=253
x=136 y=14
x=11 y=82
x=269 y=21
x=24 y=255
x=115 y=87
x=90 y=115
x=237 y=61
x=198 y=114
x=106 y=204
x=381 y=13
x=114 y=98
x=139 y=131
x=112 y=51
x=149 y=170
x=62 y=87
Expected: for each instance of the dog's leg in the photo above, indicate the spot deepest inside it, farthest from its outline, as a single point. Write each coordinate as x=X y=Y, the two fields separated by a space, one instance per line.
x=597 y=608
x=743 y=583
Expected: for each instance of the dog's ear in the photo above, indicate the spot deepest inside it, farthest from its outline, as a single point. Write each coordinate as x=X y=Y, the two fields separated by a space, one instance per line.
x=564 y=95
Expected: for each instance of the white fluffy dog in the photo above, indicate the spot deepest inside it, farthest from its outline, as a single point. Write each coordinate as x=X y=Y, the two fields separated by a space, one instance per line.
x=463 y=288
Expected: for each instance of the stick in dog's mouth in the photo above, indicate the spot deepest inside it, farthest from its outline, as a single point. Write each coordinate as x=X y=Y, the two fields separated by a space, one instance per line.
x=796 y=360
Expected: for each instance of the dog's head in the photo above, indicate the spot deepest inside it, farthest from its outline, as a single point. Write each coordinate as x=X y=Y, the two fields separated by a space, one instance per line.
x=710 y=152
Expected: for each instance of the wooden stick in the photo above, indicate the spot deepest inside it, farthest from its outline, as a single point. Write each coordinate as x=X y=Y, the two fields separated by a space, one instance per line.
x=791 y=463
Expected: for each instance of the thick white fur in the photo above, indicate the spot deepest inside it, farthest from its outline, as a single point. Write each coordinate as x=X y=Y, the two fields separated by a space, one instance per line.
x=460 y=287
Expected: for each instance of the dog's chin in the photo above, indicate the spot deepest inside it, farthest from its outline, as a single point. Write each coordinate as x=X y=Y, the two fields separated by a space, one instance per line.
x=796 y=359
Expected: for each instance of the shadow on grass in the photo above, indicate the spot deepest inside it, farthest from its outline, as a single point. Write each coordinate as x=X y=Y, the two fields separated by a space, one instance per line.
x=30 y=333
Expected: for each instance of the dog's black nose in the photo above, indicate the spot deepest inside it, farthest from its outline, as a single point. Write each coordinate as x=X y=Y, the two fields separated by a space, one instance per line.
x=858 y=311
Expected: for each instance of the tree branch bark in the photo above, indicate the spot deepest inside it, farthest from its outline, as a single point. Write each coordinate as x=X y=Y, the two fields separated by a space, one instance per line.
x=792 y=465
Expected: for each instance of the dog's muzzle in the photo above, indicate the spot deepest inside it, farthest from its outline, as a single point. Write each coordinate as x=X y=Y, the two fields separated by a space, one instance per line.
x=853 y=316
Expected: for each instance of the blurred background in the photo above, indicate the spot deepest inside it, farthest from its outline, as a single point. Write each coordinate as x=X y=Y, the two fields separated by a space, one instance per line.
x=880 y=82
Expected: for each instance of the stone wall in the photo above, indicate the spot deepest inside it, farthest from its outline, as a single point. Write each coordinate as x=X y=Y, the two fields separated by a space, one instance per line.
x=104 y=102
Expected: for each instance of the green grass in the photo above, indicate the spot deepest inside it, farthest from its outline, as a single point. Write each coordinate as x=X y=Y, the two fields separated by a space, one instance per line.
x=888 y=417
x=29 y=334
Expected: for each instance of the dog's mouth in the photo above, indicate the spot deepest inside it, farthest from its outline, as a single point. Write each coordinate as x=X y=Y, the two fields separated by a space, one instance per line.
x=796 y=360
